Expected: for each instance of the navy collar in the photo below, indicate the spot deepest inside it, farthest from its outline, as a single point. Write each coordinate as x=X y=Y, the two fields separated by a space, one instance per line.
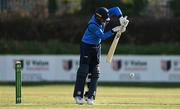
x=97 y=21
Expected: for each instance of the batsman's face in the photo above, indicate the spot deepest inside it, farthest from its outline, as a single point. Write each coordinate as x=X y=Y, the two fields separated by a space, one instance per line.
x=104 y=22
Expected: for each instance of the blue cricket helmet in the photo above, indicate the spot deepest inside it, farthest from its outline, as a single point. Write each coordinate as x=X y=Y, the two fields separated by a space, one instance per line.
x=102 y=13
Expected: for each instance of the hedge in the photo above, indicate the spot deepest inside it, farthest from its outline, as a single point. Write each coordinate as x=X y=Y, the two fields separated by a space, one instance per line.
x=59 y=47
x=70 y=28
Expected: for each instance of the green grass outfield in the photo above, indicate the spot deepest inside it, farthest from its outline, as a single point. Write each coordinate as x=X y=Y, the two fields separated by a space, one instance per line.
x=109 y=97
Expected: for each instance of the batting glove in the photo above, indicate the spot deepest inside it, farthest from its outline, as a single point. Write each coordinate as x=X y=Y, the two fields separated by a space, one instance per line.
x=124 y=21
x=119 y=29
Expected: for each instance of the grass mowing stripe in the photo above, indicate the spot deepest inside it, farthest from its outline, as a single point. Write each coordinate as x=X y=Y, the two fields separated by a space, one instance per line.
x=108 y=98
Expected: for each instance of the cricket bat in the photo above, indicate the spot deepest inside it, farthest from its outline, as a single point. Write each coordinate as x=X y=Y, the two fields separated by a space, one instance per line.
x=113 y=47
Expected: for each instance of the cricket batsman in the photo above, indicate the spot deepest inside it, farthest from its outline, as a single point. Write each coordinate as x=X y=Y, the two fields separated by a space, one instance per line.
x=90 y=51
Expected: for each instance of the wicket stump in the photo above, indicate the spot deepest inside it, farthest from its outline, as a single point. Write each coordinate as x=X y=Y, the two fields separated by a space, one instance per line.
x=18 y=81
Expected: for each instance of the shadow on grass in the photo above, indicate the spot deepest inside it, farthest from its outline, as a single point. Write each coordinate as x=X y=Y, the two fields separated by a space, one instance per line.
x=108 y=84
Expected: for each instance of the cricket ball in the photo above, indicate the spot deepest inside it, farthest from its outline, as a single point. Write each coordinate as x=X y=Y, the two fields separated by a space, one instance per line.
x=131 y=75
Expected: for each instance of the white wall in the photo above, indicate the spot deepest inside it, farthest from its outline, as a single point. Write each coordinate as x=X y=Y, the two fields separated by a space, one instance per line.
x=63 y=68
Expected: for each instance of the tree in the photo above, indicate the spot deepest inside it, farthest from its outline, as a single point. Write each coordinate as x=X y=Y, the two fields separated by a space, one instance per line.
x=132 y=7
x=175 y=6
x=52 y=7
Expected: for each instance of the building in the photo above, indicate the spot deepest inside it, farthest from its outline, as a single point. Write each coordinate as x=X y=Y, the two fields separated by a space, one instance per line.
x=68 y=6
x=38 y=7
x=9 y=5
x=159 y=8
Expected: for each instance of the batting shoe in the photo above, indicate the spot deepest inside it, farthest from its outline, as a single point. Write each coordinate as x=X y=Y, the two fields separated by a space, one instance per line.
x=78 y=100
x=90 y=101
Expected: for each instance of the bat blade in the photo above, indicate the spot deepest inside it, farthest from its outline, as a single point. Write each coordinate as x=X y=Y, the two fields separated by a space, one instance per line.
x=113 y=48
